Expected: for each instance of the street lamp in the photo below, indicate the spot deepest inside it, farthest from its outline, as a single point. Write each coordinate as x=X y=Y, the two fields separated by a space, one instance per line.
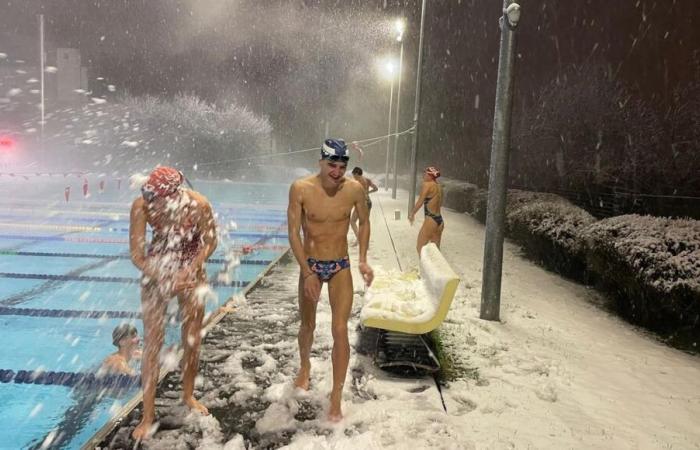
x=399 y=27
x=416 y=111
x=498 y=168
x=388 y=67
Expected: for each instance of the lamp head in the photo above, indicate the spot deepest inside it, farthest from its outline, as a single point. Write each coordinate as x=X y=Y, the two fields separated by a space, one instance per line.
x=512 y=12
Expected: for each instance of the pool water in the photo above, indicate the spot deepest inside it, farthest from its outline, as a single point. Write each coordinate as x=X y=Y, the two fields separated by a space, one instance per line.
x=66 y=281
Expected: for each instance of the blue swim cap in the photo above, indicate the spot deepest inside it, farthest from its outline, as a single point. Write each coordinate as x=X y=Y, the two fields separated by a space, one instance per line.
x=335 y=150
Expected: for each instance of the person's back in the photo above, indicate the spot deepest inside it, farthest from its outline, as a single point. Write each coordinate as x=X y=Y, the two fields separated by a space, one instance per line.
x=176 y=224
x=172 y=265
x=433 y=200
x=430 y=199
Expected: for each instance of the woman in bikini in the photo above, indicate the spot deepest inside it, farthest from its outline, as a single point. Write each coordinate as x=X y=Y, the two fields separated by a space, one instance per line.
x=172 y=265
x=431 y=200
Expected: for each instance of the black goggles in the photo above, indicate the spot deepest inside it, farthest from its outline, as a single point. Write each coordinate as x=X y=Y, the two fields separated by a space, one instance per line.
x=147 y=194
x=336 y=158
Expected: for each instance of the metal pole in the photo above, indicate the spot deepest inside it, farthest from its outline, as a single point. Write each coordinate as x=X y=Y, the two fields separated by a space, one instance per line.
x=498 y=171
x=396 y=127
x=388 y=138
x=416 y=114
x=41 y=64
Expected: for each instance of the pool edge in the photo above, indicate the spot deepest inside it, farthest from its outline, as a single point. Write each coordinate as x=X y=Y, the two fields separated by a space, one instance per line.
x=103 y=432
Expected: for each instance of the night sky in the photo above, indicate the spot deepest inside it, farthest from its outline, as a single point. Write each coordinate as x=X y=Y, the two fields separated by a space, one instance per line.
x=301 y=63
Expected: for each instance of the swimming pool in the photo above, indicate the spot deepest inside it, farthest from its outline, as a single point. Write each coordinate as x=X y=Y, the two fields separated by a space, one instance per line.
x=66 y=281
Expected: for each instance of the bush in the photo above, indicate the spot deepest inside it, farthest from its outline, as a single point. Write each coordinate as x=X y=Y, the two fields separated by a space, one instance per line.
x=459 y=195
x=516 y=199
x=140 y=132
x=652 y=265
x=551 y=233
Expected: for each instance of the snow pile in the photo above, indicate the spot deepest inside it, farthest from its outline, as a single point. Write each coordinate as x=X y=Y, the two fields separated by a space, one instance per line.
x=398 y=296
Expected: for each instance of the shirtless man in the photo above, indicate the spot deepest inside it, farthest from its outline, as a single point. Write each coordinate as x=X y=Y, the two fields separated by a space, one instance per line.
x=184 y=236
x=369 y=187
x=126 y=338
x=320 y=205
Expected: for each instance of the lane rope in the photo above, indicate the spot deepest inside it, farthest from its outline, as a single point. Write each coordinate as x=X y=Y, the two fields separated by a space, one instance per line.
x=96 y=279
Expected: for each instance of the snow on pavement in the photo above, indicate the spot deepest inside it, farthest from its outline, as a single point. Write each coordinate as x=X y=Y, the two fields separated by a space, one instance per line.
x=556 y=372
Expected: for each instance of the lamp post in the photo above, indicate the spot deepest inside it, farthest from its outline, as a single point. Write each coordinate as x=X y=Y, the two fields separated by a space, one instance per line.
x=389 y=70
x=400 y=27
x=416 y=112
x=498 y=170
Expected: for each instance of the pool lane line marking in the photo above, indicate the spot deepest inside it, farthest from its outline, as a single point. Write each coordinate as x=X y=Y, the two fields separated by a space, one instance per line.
x=28 y=228
x=69 y=313
x=92 y=240
x=86 y=278
x=255 y=262
x=82 y=380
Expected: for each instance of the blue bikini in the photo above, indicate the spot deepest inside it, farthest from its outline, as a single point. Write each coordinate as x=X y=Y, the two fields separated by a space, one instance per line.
x=326 y=269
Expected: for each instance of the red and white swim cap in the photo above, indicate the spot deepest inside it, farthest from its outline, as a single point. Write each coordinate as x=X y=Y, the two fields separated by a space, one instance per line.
x=163 y=181
x=433 y=172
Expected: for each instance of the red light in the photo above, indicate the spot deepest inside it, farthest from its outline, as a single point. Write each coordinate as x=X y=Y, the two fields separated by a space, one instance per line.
x=6 y=143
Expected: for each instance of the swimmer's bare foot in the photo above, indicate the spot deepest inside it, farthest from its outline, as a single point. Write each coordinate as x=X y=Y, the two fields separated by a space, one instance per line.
x=335 y=414
x=302 y=380
x=194 y=405
x=144 y=430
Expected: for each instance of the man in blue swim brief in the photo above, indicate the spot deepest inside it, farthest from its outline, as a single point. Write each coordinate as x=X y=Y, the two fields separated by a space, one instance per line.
x=320 y=205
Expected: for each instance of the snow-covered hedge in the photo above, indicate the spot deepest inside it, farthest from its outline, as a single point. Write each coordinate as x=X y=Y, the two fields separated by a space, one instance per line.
x=550 y=231
x=652 y=263
x=515 y=200
x=459 y=195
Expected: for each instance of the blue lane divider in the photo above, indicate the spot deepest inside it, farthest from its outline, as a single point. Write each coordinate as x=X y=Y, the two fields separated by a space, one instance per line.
x=72 y=313
x=87 y=380
x=72 y=238
x=260 y=262
x=127 y=280
x=41 y=238
x=67 y=219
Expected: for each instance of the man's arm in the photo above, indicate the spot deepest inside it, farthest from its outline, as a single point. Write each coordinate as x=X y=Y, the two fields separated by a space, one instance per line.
x=371 y=186
x=363 y=234
x=137 y=234
x=294 y=217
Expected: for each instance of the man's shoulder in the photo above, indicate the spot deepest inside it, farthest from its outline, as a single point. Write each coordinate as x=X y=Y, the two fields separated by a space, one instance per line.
x=353 y=185
x=199 y=199
x=303 y=182
x=138 y=204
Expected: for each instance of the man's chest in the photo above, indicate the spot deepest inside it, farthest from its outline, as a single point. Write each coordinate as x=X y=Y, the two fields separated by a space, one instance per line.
x=324 y=208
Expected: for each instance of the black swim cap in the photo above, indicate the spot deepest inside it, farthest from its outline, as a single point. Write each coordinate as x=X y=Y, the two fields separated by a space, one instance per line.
x=121 y=331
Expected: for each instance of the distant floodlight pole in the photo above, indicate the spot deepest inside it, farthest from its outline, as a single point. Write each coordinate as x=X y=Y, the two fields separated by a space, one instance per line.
x=400 y=28
x=416 y=113
x=41 y=64
x=390 y=73
x=498 y=170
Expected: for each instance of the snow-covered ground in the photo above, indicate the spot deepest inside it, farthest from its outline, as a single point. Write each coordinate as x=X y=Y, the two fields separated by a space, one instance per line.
x=556 y=372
